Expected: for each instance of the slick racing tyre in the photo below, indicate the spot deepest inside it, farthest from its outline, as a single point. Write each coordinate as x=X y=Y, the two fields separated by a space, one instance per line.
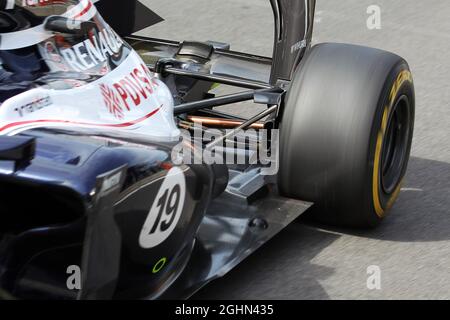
x=346 y=133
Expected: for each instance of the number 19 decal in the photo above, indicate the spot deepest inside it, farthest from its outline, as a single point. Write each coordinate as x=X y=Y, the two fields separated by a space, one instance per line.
x=165 y=211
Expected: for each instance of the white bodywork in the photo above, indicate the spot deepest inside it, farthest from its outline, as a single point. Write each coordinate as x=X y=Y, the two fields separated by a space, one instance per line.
x=128 y=98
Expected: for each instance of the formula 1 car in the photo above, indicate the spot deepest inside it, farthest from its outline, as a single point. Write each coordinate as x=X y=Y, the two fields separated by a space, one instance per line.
x=105 y=137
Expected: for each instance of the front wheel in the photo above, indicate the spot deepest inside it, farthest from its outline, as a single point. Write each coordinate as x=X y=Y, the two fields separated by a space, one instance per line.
x=346 y=133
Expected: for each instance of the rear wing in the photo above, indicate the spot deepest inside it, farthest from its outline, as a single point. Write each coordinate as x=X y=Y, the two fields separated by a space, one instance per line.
x=293 y=19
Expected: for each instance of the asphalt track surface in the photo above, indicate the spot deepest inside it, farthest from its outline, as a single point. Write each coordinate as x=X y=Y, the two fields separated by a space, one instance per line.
x=412 y=247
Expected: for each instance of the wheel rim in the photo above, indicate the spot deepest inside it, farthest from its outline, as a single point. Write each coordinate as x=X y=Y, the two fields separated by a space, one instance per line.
x=395 y=148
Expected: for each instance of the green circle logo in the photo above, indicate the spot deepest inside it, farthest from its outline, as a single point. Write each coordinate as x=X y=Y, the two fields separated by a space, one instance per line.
x=159 y=265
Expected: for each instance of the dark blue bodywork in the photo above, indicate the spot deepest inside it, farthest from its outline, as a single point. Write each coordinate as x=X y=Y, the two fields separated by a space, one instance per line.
x=53 y=215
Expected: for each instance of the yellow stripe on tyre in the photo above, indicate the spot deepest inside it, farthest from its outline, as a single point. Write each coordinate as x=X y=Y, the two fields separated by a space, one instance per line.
x=404 y=75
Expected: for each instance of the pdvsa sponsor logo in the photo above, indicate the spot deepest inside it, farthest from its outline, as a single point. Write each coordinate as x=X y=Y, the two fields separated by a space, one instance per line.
x=93 y=51
x=33 y=106
x=129 y=92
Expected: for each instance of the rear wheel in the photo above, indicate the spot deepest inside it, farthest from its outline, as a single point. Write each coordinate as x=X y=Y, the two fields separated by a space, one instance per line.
x=346 y=133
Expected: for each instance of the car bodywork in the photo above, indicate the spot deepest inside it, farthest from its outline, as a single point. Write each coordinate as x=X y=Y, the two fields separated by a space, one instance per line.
x=84 y=196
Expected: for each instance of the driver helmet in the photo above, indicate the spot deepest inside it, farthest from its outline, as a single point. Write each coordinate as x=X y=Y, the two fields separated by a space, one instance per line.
x=42 y=37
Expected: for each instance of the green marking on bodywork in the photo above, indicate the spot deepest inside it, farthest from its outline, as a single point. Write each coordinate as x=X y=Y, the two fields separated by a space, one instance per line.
x=214 y=86
x=159 y=265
